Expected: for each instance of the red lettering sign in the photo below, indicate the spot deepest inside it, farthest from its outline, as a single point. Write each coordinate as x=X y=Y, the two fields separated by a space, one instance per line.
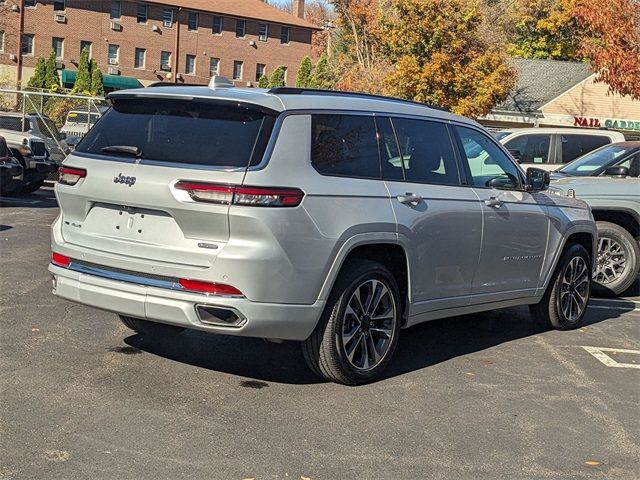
x=586 y=122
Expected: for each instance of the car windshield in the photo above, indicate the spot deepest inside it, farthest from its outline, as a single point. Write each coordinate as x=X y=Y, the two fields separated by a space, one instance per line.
x=82 y=117
x=594 y=161
x=182 y=131
x=500 y=135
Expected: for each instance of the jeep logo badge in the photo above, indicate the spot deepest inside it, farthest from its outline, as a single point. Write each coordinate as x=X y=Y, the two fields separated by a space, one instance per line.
x=125 y=180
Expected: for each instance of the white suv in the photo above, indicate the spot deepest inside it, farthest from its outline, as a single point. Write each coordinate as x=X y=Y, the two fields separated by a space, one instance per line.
x=550 y=148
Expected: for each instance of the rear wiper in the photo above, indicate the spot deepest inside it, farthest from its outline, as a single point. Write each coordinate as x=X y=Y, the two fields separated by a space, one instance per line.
x=123 y=149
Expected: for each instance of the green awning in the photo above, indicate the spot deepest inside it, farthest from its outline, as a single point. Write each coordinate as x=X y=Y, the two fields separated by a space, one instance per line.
x=116 y=82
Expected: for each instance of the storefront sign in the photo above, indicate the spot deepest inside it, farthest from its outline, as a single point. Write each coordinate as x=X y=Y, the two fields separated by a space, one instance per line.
x=592 y=122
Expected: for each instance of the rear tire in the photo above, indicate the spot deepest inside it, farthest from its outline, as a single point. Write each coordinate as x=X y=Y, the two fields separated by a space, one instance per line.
x=32 y=187
x=618 y=260
x=359 y=328
x=565 y=302
x=149 y=328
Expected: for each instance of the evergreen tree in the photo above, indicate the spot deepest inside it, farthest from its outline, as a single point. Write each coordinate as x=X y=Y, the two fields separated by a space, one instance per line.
x=263 y=81
x=38 y=78
x=83 y=78
x=322 y=77
x=51 y=81
x=305 y=73
x=97 y=87
x=277 y=77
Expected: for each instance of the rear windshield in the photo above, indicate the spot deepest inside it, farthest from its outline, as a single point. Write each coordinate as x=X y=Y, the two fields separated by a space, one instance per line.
x=183 y=132
x=3 y=149
x=17 y=124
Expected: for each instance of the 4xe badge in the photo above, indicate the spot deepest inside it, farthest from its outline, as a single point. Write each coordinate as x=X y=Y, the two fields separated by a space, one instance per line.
x=125 y=180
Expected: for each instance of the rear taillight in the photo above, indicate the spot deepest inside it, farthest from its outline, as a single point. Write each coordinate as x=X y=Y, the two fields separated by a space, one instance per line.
x=209 y=287
x=241 y=195
x=60 y=260
x=70 y=175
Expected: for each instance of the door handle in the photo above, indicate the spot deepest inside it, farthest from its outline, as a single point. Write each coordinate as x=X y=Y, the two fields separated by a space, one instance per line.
x=493 y=202
x=409 y=199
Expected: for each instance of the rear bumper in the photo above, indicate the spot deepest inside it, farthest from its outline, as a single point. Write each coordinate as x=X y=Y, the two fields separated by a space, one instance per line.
x=262 y=320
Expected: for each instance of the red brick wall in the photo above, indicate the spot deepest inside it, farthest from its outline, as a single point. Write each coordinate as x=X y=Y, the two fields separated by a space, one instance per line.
x=89 y=20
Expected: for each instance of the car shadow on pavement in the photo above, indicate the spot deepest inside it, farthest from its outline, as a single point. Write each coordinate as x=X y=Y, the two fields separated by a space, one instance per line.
x=419 y=347
x=43 y=198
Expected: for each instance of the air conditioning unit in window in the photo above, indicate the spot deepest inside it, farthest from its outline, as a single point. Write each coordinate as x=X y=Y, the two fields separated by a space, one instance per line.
x=165 y=68
x=113 y=71
x=59 y=65
x=113 y=61
x=60 y=18
x=116 y=26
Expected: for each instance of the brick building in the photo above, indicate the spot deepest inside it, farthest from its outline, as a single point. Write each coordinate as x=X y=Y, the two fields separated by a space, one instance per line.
x=184 y=41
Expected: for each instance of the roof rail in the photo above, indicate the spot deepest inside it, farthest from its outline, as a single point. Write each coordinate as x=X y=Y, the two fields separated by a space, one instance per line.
x=339 y=93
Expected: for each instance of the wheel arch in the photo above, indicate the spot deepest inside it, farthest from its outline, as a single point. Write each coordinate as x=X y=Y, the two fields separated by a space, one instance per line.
x=385 y=249
x=627 y=219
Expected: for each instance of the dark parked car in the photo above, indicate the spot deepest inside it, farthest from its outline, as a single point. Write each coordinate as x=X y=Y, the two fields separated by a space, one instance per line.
x=10 y=171
x=607 y=160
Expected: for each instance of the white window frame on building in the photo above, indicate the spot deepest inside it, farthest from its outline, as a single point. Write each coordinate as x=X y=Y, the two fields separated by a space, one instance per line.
x=214 y=71
x=142 y=15
x=165 y=61
x=263 y=32
x=137 y=64
x=57 y=44
x=285 y=35
x=167 y=17
x=31 y=43
x=1 y=40
x=116 y=10
x=243 y=23
x=238 y=64
x=110 y=54
x=59 y=5
x=285 y=71
x=84 y=44
x=190 y=65
x=193 y=22
x=215 y=24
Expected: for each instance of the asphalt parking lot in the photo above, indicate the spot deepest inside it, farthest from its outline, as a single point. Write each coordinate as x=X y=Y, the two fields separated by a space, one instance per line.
x=490 y=396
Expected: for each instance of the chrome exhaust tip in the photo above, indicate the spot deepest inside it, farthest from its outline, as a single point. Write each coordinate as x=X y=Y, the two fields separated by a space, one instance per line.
x=220 y=316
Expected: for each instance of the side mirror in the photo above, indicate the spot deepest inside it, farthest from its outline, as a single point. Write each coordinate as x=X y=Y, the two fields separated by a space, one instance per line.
x=63 y=136
x=537 y=179
x=72 y=141
x=617 y=171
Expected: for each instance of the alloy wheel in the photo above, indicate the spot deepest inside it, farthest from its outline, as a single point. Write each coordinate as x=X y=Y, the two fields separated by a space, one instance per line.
x=574 y=290
x=368 y=325
x=611 y=261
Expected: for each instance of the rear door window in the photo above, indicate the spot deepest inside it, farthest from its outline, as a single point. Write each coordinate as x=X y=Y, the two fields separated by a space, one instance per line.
x=574 y=146
x=183 y=132
x=530 y=148
x=427 y=152
x=345 y=145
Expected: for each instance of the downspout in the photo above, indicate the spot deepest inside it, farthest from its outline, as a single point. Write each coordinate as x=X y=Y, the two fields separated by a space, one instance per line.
x=177 y=46
x=19 y=52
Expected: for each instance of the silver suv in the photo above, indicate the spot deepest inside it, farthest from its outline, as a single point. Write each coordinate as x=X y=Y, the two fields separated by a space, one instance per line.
x=329 y=218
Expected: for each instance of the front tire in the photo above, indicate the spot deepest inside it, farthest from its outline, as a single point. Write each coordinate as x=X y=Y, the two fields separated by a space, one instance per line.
x=618 y=260
x=565 y=302
x=358 y=332
x=149 y=328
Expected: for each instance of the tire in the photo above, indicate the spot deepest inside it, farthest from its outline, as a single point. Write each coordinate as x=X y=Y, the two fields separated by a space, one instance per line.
x=32 y=186
x=149 y=328
x=351 y=348
x=565 y=302
x=618 y=260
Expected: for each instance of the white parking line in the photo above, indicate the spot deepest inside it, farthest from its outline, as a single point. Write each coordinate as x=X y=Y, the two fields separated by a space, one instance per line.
x=598 y=352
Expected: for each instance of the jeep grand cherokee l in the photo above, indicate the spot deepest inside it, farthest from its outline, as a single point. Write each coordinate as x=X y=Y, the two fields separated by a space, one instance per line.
x=328 y=218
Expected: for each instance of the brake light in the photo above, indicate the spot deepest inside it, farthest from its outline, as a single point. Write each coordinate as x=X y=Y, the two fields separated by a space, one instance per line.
x=209 y=287
x=241 y=195
x=70 y=175
x=60 y=260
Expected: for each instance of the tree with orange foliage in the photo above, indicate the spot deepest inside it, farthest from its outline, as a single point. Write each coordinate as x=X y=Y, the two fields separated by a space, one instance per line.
x=319 y=13
x=612 y=42
x=438 y=57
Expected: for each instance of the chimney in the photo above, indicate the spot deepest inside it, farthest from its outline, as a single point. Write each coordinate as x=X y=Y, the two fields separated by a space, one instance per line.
x=298 y=8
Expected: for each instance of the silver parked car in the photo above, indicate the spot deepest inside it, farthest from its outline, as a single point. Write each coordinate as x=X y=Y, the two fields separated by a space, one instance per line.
x=329 y=218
